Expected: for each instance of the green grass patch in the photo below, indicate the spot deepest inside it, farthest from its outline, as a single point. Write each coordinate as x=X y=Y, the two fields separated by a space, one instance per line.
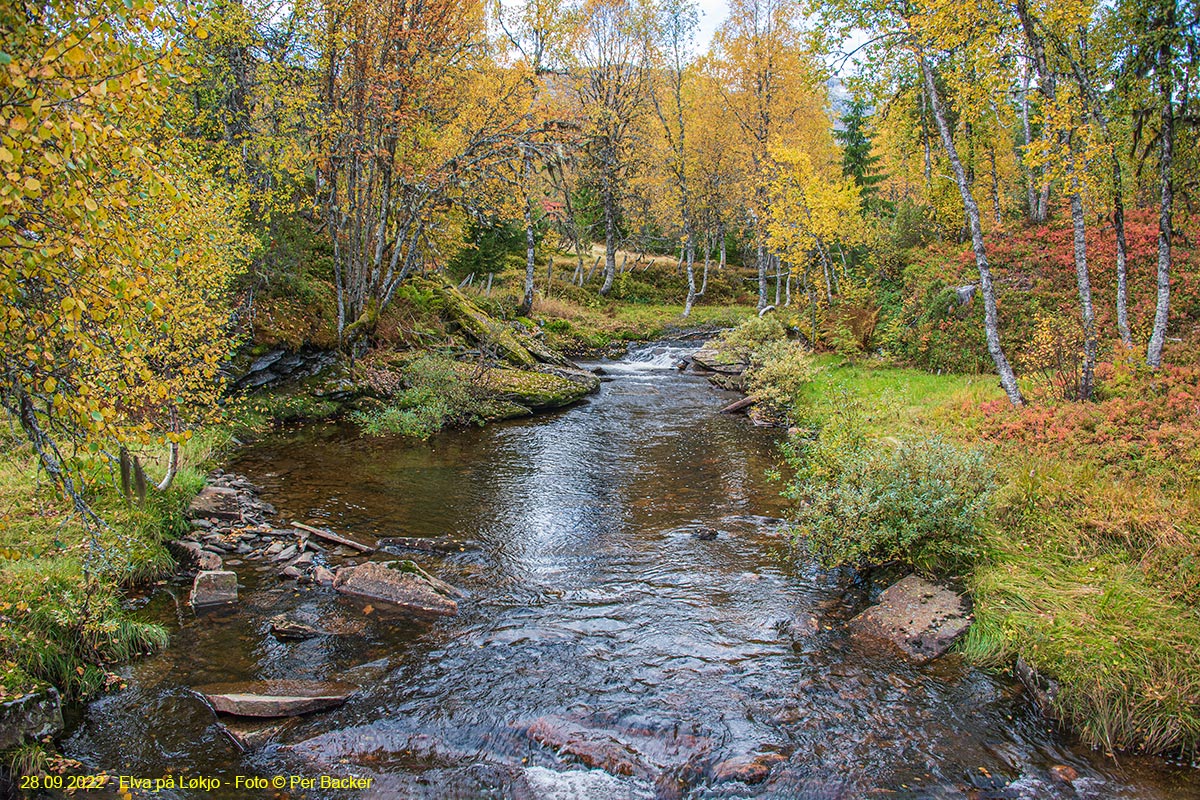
x=1089 y=559
x=61 y=588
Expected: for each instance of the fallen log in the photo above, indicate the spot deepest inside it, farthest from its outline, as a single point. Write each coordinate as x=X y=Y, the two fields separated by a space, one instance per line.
x=330 y=536
x=740 y=405
x=425 y=544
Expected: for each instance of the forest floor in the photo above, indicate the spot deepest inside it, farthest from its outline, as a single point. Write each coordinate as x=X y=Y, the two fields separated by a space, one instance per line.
x=1091 y=566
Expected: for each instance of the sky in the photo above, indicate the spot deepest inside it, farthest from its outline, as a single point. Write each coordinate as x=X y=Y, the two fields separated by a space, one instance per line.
x=712 y=14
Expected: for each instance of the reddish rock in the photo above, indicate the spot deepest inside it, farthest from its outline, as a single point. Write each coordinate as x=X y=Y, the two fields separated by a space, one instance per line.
x=747 y=769
x=1064 y=773
x=920 y=618
x=275 y=698
x=381 y=582
x=592 y=747
x=323 y=576
x=216 y=502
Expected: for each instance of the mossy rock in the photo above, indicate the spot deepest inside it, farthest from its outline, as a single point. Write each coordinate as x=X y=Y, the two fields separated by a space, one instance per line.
x=538 y=390
x=482 y=328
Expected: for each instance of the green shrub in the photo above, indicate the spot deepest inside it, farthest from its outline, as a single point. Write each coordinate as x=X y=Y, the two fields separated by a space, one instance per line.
x=439 y=392
x=864 y=502
x=778 y=375
x=742 y=341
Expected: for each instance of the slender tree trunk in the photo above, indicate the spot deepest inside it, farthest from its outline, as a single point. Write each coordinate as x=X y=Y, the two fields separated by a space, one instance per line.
x=1158 y=333
x=707 y=258
x=1122 y=250
x=991 y=319
x=1083 y=281
x=995 y=185
x=1031 y=188
x=691 y=276
x=721 y=263
x=787 y=297
x=610 y=247
x=761 y=260
x=526 y=307
x=778 y=280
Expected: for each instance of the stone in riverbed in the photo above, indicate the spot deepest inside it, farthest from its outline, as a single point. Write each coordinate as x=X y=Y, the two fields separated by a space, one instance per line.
x=208 y=561
x=747 y=769
x=394 y=584
x=274 y=698
x=216 y=502
x=218 y=587
x=920 y=618
x=286 y=628
x=714 y=359
x=30 y=716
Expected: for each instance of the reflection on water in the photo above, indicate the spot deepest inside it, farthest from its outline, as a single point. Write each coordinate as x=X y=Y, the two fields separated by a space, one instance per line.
x=604 y=620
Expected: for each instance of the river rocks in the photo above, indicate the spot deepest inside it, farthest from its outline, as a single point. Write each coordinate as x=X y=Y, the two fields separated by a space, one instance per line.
x=590 y=746
x=216 y=502
x=749 y=769
x=248 y=736
x=278 y=366
x=920 y=618
x=218 y=587
x=395 y=584
x=1064 y=773
x=30 y=716
x=208 y=561
x=284 y=627
x=275 y=698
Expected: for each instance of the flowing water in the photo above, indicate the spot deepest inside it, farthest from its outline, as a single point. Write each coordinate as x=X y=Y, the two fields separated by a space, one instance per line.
x=605 y=627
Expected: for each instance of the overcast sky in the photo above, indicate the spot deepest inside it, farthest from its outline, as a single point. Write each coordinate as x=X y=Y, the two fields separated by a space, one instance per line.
x=712 y=14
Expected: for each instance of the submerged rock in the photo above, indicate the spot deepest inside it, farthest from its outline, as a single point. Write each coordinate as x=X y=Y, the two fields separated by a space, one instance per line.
x=283 y=627
x=215 y=587
x=30 y=716
x=747 y=769
x=920 y=618
x=275 y=698
x=395 y=583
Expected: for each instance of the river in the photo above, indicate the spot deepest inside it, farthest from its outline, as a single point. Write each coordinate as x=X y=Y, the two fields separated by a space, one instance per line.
x=598 y=620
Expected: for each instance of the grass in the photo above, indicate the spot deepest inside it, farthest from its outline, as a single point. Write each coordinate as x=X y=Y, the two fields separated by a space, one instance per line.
x=61 y=616
x=1091 y=561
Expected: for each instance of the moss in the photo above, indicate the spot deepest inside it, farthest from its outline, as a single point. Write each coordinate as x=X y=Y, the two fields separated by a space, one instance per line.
x=539 y=390
x=482 y=328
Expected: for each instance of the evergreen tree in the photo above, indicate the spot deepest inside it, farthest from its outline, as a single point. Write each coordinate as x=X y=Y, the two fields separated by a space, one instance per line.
x=858 y=162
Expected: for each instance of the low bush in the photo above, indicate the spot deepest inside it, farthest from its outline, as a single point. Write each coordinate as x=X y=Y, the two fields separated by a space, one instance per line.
x=437 y=393
x=864 y=502
x=778 y=375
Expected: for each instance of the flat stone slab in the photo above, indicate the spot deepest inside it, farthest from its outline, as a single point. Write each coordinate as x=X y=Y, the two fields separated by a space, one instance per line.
x=410 y=590
x=710 y=358
x=30 y=716
x=920 y=618
x=275 y=698
x=216 y=502
x=213 y=588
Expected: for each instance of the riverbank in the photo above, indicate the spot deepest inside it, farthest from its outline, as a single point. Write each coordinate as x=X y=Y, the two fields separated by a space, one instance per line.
x=1088 y=565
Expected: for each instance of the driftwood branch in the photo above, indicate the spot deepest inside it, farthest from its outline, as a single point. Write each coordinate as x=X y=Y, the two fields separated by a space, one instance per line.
x=330 y=536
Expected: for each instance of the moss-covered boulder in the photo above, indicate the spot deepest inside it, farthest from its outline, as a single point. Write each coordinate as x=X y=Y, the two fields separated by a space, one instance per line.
x=481 y=328
x=545 y=388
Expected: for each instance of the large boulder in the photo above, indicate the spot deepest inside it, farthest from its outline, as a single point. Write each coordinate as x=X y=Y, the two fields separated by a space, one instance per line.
x=274 y=698
x=549 y=387
x=400 y=583
x=30 y=716
x=213 y=588
x=921 y=619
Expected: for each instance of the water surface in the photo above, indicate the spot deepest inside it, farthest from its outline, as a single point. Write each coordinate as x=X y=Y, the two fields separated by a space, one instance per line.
x=596 y=612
